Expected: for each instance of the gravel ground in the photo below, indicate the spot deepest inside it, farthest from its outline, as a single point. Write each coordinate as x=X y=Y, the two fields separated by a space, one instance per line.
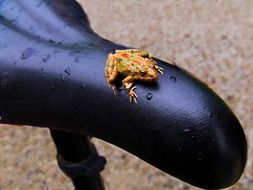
x=211 y=39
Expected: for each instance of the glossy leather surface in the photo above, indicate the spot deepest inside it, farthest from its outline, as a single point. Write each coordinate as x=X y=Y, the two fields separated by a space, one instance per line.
x=52 y=75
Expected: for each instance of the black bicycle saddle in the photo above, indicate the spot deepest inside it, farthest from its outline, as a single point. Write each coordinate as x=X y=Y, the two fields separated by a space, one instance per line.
x=52 y=69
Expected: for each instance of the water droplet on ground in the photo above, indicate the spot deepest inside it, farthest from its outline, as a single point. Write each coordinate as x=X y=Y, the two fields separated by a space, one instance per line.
x=149 y=96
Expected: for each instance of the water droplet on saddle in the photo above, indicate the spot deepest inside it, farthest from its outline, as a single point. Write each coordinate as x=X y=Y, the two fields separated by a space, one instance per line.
x=52 y=87
x=42 y=76
x=76 y=59
x=187 y=130
x=4 y=82
x=83 y=86
x=46 y=58
x=71 y=53
x=181 y=147
x=27 y=53
x=67 y=71
x=149 y=96
x=51 y=41
x=173 y=78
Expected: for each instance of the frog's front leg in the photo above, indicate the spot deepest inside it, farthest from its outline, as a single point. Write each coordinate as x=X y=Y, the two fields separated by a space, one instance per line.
x=159 y=69
x=128 y=82
x=111 y=72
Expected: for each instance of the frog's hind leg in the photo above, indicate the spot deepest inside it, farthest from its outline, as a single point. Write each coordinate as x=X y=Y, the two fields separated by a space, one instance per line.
x=128 y=82
x=132 y=95
x=111 y=72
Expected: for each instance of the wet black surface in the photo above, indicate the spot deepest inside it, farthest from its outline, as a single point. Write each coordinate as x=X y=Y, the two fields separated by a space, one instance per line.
x=52 y=75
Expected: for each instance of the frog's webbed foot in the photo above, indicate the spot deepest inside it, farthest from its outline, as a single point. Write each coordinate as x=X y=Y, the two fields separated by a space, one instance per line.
x=132 y=95
x=159 y=69
x=128 y=82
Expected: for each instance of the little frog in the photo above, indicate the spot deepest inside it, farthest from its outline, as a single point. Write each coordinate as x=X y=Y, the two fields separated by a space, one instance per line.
x=134 y=65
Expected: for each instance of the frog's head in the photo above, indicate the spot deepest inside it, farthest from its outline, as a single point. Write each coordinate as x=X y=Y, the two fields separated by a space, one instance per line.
x=150 y=75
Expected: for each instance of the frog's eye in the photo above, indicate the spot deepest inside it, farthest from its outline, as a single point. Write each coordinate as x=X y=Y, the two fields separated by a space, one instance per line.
x=145 y=54
x=142 y=73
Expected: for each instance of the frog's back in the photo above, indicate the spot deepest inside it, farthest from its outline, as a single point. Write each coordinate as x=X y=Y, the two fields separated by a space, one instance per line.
x=131 y=67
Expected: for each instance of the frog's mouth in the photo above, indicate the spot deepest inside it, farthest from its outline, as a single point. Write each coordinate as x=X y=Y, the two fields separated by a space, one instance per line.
x=152 y=75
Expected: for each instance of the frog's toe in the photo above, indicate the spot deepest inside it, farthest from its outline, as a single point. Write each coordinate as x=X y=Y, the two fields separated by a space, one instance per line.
x=133 y=99
x=113 y=87
x=132 y=95
x=159 y=69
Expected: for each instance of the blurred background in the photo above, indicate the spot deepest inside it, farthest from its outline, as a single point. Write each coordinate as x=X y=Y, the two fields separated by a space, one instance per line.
x=212 y=39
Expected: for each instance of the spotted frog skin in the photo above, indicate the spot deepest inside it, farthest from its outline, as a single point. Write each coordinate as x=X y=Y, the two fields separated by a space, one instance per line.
x=134 y=65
